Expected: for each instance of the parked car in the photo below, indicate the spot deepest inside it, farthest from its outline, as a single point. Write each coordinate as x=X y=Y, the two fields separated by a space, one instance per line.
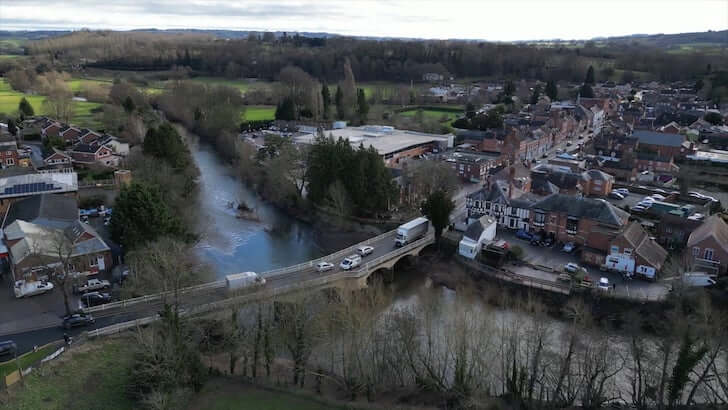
x=350 y=262
x=645 y=204
x=7 y=346
x=78 y=319
x=569 y=247
x=365 y=250
x=658 y=197
x=25 y=289
x=93 y=284
x=623 y=191
x=536 y=240
x=603 y=284
x=568 y=143
x=571 y=267
x=638 y=208
x=523 y=234
x=615 y=195
x=95 y=298
x=324 y=266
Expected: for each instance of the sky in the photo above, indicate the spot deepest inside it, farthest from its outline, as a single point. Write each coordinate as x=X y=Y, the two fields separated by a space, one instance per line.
x=493 y=20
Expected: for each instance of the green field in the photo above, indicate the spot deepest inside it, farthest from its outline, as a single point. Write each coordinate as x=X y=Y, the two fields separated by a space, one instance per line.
x=259 y=112
x=230 y=394
x=82 y=116
x=78 y=84
x=89 y=380
x=434 y=113
x=25 y=360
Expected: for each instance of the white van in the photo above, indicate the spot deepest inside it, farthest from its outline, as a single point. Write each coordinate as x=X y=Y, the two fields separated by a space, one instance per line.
x=698 y=279
x=350 y=262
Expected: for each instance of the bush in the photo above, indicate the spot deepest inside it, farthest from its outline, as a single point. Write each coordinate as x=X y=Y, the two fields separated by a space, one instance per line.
x=516 y=252
x=91 y=202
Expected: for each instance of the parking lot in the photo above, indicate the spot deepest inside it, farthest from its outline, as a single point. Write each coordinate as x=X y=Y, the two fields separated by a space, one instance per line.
x=555 y=258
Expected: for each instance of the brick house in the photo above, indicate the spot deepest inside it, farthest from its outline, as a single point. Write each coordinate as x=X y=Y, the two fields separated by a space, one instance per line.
x=666 y=145
x=91 y=154
x=591 y=223
x=472 y=166
x=596 y=183
x=57 y=157
x=69 y=133
x=51 y=129
x=9 y=156
x=673 y=230
x=635 y=243
x=708 y=246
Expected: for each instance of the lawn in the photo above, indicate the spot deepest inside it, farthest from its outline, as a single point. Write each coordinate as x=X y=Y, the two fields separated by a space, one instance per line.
x=95 y=379
x=433 y=113
x=25 y=360
x=231 y=394
x=259 y=112
x=9 y=99
x=78 y=84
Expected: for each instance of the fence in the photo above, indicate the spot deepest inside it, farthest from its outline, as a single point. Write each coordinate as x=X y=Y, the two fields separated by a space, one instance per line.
x=516 y=278
x=101 y=183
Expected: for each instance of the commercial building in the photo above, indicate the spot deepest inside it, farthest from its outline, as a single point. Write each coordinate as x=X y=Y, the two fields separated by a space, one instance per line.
x=473 y=167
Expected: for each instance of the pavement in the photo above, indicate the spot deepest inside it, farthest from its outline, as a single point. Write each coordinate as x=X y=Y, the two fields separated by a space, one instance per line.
x=555 y=258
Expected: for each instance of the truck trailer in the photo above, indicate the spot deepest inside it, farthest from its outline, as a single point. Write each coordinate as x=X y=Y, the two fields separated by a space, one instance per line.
x=243 y=280
x=411 y=231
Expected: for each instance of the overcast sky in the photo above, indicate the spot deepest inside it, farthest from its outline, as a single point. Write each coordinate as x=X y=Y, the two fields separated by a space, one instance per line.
x=497 y=20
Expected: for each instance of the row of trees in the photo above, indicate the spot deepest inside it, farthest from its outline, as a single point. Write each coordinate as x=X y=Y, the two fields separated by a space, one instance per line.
x=370 y=60
x=462 y=353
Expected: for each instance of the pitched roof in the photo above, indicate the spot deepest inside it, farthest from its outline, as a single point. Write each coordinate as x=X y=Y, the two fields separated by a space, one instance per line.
x=659 y=138
x=595 y=174
x=477 y=227
x=595 y=209
x=714 y=227
x=87 y=148
x=644 y=246
x=50 y=210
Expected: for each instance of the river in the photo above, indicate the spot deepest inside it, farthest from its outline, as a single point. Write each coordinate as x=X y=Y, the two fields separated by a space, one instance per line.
x=230 y=244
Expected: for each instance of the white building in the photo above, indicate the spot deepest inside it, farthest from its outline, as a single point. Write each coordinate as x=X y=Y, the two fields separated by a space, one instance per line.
x=508 y=205
x=480 y=232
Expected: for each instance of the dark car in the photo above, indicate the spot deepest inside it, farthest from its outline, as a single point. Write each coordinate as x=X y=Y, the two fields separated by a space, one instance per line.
x=522 y=234
x=95 y=298
x=77 y=319
x=536 y=240
x=7 y=347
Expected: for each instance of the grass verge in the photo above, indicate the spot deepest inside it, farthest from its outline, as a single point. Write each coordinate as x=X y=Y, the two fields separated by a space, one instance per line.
x=259 y=112
x=25 y=360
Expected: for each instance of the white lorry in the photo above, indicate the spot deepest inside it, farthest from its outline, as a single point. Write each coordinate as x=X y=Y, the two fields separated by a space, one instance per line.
x=698 y=279
x=411 y=231
x=243 y=280
x=24 y=289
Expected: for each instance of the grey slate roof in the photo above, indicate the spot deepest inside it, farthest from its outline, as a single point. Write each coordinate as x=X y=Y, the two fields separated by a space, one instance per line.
x=659 y=138
x=477 y=227
x=644 y=246
x=55 y=211
x=595 y=209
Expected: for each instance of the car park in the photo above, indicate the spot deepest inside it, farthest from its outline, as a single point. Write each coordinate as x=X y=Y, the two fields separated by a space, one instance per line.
x=77 y=319
x=658 y=197
x=95 y=298
x=615 y=195
x=365 y=250
x=350 y=262
x=571 y=267
x=324 y=266
x=638 y=208
x=622 y=191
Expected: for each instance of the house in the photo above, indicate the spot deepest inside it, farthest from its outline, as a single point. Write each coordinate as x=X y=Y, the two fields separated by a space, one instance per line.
x=508 y=205
x=92 y=154
x=596 y=183
x=708 y=246
x=673 y=230
x=633 y=247
x=661 y=144
x=480 y=232
x=69 y=133
x=57 y=158
x=51 y=129
x=120 y=148
x=34 y=249
x=547 y=179
x=9 y=156
x=473 y=167
x=591 y=223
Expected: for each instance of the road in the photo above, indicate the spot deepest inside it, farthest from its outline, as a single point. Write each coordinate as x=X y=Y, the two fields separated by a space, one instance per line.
x=52 y=331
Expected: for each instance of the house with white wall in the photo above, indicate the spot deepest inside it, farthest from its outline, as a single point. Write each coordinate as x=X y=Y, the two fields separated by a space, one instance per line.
x=480 y=232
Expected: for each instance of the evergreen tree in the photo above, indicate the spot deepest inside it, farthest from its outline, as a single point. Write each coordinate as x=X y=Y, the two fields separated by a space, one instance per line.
x=589 y=76
x=26 y=110
x=552 y=91
x=164 y=142
x=536 y=94
x=286 y=110
x=128 y=105
x=362 y=105
x=12 y=128
x=340 y=109
x=586 y=91
x=326 y=99
x=469 y=110
x=438 y=207
x=509 y=88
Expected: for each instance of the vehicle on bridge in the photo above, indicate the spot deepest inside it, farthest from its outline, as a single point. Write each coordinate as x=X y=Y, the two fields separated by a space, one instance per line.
x=350 y=262
x=243 y=280
x=25 y=289
x=411 y=231
x=77 y=319
x=365 y=250
x=7 y=346
x=324 y=266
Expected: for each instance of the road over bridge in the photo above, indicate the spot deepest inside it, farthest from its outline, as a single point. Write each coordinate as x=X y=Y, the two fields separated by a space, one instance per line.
x=304 y=277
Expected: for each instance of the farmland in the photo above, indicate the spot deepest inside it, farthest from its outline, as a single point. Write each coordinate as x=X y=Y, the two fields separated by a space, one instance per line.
x=259 y=112
x=446 y=114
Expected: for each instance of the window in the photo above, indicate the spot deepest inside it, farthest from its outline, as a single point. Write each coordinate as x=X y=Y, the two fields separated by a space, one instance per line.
x=614 y=249
x=572 y=225
x=495 y=207
x=9 y=161
x=696 y=251
x=487 y=205
x=92 y=261
x=708 y=254
x=514 y=211
x=539 y=218
x=627 y=251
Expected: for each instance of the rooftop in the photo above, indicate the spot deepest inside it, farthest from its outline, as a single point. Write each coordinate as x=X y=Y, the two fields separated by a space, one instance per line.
x=659 y=138
x=596 y=209
x=38 y=183
x=385 y=139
